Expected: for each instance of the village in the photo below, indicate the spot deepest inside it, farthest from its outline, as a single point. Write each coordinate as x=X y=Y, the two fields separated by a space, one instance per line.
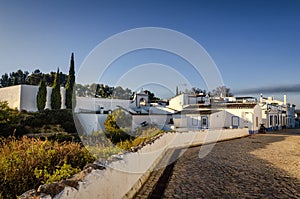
x=183 y=112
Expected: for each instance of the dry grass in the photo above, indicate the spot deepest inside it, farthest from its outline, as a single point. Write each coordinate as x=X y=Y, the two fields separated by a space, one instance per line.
x=21 y=161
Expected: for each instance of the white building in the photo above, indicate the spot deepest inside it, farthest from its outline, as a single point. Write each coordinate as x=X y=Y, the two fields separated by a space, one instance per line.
x=219 y=116
x=179 y=102
x=277 y=114
x=23 y=97
x=92 y=112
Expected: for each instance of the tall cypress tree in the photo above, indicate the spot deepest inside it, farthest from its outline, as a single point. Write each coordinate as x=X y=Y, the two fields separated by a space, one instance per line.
x=55 y=95
x=70 y=84
x=41 y=95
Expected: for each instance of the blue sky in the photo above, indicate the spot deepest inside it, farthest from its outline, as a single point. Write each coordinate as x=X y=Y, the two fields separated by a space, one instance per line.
x=253 y=43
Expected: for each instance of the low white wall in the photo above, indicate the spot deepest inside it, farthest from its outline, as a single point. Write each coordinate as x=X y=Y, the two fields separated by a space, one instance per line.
x=120 y=179
x=90 y=122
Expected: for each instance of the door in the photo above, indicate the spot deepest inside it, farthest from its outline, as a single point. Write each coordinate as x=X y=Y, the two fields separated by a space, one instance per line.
x=204 y=122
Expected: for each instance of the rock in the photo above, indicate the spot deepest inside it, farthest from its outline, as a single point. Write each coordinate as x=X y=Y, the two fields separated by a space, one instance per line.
x=68 y=192
x=33 y=194
x=51 y=189
x=28 y=194
x=94 y=166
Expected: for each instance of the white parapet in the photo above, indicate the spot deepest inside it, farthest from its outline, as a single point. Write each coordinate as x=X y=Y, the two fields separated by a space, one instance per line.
x=121 y=177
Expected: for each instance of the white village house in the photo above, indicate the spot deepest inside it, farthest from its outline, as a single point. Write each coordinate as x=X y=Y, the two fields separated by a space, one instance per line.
x=277 y=114
x=197 y=112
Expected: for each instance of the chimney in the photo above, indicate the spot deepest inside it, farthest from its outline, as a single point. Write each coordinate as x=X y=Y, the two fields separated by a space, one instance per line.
x=284 y=99
x=261 y=98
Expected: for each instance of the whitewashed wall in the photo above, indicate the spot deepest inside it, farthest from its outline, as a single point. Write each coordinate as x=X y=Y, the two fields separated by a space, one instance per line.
x=23 y=97
x=122 y=178
x=177 y=102
x=95 y=122
x=12 y=95
x=94 y=104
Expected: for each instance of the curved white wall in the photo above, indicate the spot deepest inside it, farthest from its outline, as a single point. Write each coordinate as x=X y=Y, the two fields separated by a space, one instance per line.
x=122 y=178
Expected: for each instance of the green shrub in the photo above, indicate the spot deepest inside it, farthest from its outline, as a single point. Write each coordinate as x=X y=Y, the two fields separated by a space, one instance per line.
x=41 y=95
x=118 y=126
x=145 y=134
x=22 y=160
x=55 y=95
x=60 y=173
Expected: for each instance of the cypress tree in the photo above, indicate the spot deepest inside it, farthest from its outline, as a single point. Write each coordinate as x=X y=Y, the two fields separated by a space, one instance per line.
x=41 y=95
x=70 y=85
x=55 y=95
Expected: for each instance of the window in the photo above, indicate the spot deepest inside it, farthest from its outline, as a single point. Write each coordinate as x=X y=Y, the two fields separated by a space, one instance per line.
x=271 y=120
x=204 y=121
x=235 y=121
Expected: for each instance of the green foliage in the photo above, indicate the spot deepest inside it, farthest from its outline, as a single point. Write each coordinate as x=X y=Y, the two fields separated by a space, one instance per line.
x=14 y=78
x=27 y=163
x=152 y=97
x=60 y=173
x=120 y=93
x=36 y=77
x=55 y=95
x=53 y=124
x=103 y=91
x=70 y=85
x=8 y=119
x=41 y=95
x=118 y=126
x=23 y=77
x=143 y=134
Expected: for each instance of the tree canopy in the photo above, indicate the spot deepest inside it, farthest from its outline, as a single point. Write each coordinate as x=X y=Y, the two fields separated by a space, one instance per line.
x=221 y=91
x=23 y=77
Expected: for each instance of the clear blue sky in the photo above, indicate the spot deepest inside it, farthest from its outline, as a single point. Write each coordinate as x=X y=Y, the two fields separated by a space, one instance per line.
x=253 y=43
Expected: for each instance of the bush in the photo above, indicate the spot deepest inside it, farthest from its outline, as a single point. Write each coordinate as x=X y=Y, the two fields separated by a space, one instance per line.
x=29 y=162
x=118 y=126
x=145 y=134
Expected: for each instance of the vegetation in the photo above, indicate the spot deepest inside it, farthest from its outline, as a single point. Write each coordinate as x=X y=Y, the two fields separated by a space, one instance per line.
x=53 y=124
x=26 y=163
x=118 y=126
x=29 y=162
x=23 y=77
x=70 y=85
x=143 y=135
x=119 y=131
x=55 y=95
x=103 y=91
x=221 y=91
x=8 y=119
x=41 y=95
x=152 y=97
